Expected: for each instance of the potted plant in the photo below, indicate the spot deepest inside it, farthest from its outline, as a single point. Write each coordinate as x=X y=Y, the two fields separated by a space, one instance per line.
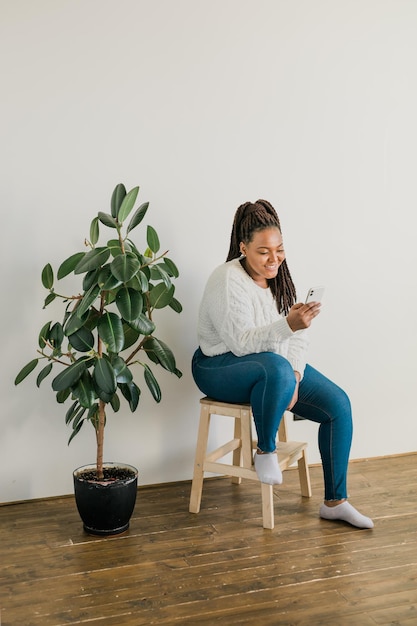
x=98 y=345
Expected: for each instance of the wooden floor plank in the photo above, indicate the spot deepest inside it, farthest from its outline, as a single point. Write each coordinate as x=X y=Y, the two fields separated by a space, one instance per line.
x=219 y=566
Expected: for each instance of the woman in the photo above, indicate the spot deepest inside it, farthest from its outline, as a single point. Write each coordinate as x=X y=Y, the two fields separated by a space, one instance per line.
x=253 y=349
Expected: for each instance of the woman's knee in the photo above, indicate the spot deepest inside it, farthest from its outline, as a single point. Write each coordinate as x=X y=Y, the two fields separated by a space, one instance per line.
x=276 y=369
x=341 y=403
x=317 y=389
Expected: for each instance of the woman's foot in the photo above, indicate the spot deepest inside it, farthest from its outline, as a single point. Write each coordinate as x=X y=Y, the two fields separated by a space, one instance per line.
x=267 y=468
x=346 y=513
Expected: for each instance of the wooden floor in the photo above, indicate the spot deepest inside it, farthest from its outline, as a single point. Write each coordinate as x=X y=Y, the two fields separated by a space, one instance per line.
x=220 y=566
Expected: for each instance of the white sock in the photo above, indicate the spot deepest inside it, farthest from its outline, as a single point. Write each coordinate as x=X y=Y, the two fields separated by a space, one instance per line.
x=347 y=513
x=267 y=468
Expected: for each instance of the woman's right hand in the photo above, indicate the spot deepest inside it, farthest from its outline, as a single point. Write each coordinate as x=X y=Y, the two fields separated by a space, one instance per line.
x=301 y=315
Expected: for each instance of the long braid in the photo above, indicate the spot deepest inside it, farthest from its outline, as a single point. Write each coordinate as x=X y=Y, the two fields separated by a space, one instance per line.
x=254 y=217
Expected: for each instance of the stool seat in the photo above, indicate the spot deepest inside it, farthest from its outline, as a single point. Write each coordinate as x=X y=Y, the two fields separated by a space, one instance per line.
x=242 y=446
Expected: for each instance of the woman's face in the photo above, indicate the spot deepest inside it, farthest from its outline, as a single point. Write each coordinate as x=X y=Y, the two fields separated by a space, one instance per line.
x=264 y=254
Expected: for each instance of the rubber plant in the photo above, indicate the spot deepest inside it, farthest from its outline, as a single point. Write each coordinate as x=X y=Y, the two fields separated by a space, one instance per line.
x=106 y=328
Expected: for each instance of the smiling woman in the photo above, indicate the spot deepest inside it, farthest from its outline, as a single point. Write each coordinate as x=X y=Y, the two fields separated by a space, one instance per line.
x=263 y=255
x=253 y=350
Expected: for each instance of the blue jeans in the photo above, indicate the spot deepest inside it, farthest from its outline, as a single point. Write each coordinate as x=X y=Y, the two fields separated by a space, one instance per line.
x=267 y=382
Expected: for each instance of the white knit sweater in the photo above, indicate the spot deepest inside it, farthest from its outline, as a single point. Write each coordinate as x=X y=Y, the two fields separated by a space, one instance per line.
x=236 y=315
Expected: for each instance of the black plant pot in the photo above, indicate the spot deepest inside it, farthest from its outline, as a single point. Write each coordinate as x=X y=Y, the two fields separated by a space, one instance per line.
x=106 y=506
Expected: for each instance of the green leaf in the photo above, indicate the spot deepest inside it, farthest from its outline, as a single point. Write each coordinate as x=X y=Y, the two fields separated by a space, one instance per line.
x=69 y=264
x=47 y=276
x=134 y=284
x=94 y=231
x=77 y=424
x=44 y=335
x=143 y=279
x=171 y=268
x=175 y=305
x=93 y=416
x=82 y=340
x=92 y=319
x=25 y=371
x=131 y=393
x=131 y=336
x=104 y=377
x=118 y=195
x=88 y=298
x=159 y=352
x=142 y=325
x=158 y=271
x=70 y=414
x=152 y=239
x=116 y=249
x=125 y=266
x=152 y=383
x=49 y=298
x=160 y=296
x=56 y=335
x=123 y=373
x=75 y=322
x=43 y=374
x=92 y=260
x=130 y=245
x=62 y=395
x=110 y=329
x=138 y=216
x=115 y=402
x=78 y=418
x=103 y=395
x=106 y=280
x=84 y=390
x=70 y=375
x=127 y=204
x=90 y=279
x=145 y=268
x=107 y=220
x=129 y=302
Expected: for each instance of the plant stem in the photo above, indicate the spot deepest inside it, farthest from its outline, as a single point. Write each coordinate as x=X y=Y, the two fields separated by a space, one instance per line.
x=121 y=242
x=101 y=413
x=100 y=438
x=136 y=350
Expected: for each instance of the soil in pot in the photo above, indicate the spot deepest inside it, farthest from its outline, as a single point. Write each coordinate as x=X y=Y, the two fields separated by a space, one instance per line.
x=110 y=474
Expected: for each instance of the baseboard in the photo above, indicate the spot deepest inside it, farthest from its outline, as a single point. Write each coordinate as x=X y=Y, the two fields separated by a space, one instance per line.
x=188 y=481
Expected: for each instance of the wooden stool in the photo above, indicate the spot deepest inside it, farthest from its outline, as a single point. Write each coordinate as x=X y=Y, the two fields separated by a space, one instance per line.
x=242 y=446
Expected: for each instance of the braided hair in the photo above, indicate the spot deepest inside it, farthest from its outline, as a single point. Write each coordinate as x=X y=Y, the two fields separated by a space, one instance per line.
x=249 y=219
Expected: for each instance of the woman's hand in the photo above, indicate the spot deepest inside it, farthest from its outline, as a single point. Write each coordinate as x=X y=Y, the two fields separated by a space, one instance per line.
x=301 y=315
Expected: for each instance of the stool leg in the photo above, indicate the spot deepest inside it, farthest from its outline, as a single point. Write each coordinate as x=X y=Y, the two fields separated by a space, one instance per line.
x=267 y=506
x=237 y=454
x=304 y=475
x=246 y=436
x=198 y=476
x=242 y=456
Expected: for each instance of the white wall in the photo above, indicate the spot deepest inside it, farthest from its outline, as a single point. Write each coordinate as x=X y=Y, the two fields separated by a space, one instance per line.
x=308 y=103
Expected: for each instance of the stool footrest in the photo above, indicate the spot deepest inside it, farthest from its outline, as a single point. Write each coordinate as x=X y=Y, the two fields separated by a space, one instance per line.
x=231 y=470
x=289 y=452
x=218 y=453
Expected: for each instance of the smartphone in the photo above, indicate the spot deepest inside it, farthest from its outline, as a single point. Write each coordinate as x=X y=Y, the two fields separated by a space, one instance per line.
x=314 y=294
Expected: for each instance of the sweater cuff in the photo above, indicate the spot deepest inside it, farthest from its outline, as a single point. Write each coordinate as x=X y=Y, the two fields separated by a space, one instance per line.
x=283 y=329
